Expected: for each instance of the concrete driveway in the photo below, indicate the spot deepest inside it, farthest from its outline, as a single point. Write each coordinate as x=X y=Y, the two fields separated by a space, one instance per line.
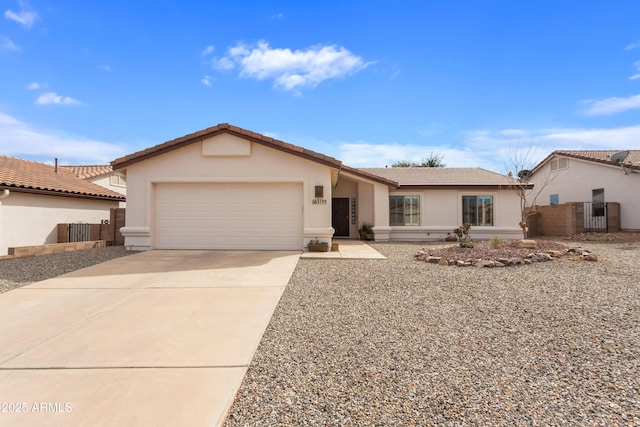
x=156 y=338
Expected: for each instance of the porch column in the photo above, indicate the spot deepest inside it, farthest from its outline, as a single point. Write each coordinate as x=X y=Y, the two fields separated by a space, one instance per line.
x=381 y=228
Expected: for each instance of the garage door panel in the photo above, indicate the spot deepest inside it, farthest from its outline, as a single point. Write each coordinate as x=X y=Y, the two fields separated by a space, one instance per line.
x=228 y=216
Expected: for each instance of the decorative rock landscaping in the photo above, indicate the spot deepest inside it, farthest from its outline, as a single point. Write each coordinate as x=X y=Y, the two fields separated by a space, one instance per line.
x=509 y=255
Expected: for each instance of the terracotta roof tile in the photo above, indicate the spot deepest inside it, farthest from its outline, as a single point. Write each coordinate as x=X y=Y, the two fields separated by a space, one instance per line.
x=165 y=147
x=632 y=161
x=443 y=177
x=24 y=175
x=89 y=171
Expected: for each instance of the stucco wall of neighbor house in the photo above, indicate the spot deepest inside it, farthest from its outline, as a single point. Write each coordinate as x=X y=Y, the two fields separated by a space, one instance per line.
x=188 y=164
x=105 y=181
x=576 y=182
x=441 y=212
x=32 y=219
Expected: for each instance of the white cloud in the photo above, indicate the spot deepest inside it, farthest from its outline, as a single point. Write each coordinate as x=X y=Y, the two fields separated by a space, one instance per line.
x=291 y=70
x=23 y=140
x=25 y=16
x=54 y=98
x=206 y=80
x=633 y=45
x=490 y=149
x=33 y=86
x=207 y=50
x=603 y=107
x=6 y=44
x=107 y=68
x=637 y=67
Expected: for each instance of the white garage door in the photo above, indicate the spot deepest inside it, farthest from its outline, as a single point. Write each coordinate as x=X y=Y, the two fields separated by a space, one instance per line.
x=229 y=216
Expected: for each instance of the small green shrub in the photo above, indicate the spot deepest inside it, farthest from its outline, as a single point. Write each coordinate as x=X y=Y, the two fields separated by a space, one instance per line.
x=317 y=242
x=463 y=236
x=496 y=242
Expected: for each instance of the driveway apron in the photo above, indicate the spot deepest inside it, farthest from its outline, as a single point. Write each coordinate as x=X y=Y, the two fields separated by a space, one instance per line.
x=155 y=338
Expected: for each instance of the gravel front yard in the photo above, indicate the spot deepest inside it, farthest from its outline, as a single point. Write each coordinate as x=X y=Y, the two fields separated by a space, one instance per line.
x=401 y=342
x=18 y=272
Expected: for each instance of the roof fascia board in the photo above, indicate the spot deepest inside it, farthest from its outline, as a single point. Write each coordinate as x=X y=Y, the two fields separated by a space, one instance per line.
x=174 y=144
x=60 y=193
x=459 y=186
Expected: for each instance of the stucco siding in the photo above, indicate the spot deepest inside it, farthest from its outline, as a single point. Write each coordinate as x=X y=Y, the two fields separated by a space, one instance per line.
x=441 y=212
x=188 y=165
x=576 y=182
x=31 y=219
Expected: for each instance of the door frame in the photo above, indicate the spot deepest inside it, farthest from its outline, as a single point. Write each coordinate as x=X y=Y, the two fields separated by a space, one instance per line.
x=346 y=230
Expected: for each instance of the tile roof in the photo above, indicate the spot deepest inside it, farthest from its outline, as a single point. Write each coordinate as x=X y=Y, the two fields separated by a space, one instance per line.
x=443 y=177
x=89 y=171
x=168 y=146
x=216 y=130
x=33 y=177
x=632 y=161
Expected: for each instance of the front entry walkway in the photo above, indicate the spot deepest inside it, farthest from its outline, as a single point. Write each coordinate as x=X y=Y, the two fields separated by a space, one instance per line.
x=348 y=249
x=160 y=338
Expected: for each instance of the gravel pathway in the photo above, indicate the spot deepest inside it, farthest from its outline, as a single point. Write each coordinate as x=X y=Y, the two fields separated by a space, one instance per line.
x=23 y=271
x=401 y=342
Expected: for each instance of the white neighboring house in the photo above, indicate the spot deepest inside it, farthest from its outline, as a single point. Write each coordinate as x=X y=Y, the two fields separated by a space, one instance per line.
x=229 y=188
x=102 y=175
x=36 y=197
x=592 y=176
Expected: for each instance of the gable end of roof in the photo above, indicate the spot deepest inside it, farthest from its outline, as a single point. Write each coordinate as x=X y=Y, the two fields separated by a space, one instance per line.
x=183 y=141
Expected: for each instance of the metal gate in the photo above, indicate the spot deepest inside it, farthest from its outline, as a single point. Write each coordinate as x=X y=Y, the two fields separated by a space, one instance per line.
x=79 y=232
x=595 y=217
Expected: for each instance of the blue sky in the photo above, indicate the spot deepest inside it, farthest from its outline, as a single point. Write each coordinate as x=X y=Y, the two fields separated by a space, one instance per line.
x=367 y=82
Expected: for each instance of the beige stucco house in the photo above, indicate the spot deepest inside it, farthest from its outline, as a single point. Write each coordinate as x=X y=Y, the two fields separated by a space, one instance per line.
x=594 y=176
x=228 y=188
x=102 y=175
x=36 y=197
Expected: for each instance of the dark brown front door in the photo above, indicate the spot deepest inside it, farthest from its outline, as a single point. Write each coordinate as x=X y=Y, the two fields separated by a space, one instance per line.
x=340 y=216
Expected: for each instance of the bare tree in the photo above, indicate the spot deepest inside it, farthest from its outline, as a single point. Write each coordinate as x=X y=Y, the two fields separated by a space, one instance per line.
x=433 y=161
x=520 y=164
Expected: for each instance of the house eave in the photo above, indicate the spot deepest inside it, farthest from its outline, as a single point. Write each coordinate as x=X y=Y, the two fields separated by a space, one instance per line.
x=505 y=186
x=186 y=140
x=60 y=193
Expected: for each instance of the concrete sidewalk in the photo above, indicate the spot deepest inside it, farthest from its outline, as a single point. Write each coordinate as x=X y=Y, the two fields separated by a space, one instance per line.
x=351 y=249
x=156 y=338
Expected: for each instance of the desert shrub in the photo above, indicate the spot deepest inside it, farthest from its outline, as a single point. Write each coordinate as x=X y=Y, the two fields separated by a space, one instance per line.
x=496 y=242
x=463 y=236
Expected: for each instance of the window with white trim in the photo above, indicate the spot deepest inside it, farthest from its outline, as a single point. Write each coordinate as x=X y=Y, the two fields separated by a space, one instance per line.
x=558 y=164
x=477 y=210
x=404 y=210
x=118 y=180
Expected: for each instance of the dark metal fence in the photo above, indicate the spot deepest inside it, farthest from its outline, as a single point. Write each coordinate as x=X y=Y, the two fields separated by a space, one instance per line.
x=79 y=232
x=595 y=217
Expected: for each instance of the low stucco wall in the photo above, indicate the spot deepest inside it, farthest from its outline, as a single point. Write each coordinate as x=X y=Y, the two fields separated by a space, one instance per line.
x=32 y=219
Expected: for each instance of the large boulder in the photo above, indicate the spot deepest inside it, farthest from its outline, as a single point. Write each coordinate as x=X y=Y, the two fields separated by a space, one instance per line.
x=526 y=244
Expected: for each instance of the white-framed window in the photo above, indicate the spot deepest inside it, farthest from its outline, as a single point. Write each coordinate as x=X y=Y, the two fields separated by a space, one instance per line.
x=404 y=210
x=558 y=164
x=118 y=180
x=477 y=210
x=554 y=199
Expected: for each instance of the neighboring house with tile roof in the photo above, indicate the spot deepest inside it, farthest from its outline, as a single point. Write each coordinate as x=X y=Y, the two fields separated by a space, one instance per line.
x=102 y=175
x=592 y=176
x=229 y=188
x=36 y=197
